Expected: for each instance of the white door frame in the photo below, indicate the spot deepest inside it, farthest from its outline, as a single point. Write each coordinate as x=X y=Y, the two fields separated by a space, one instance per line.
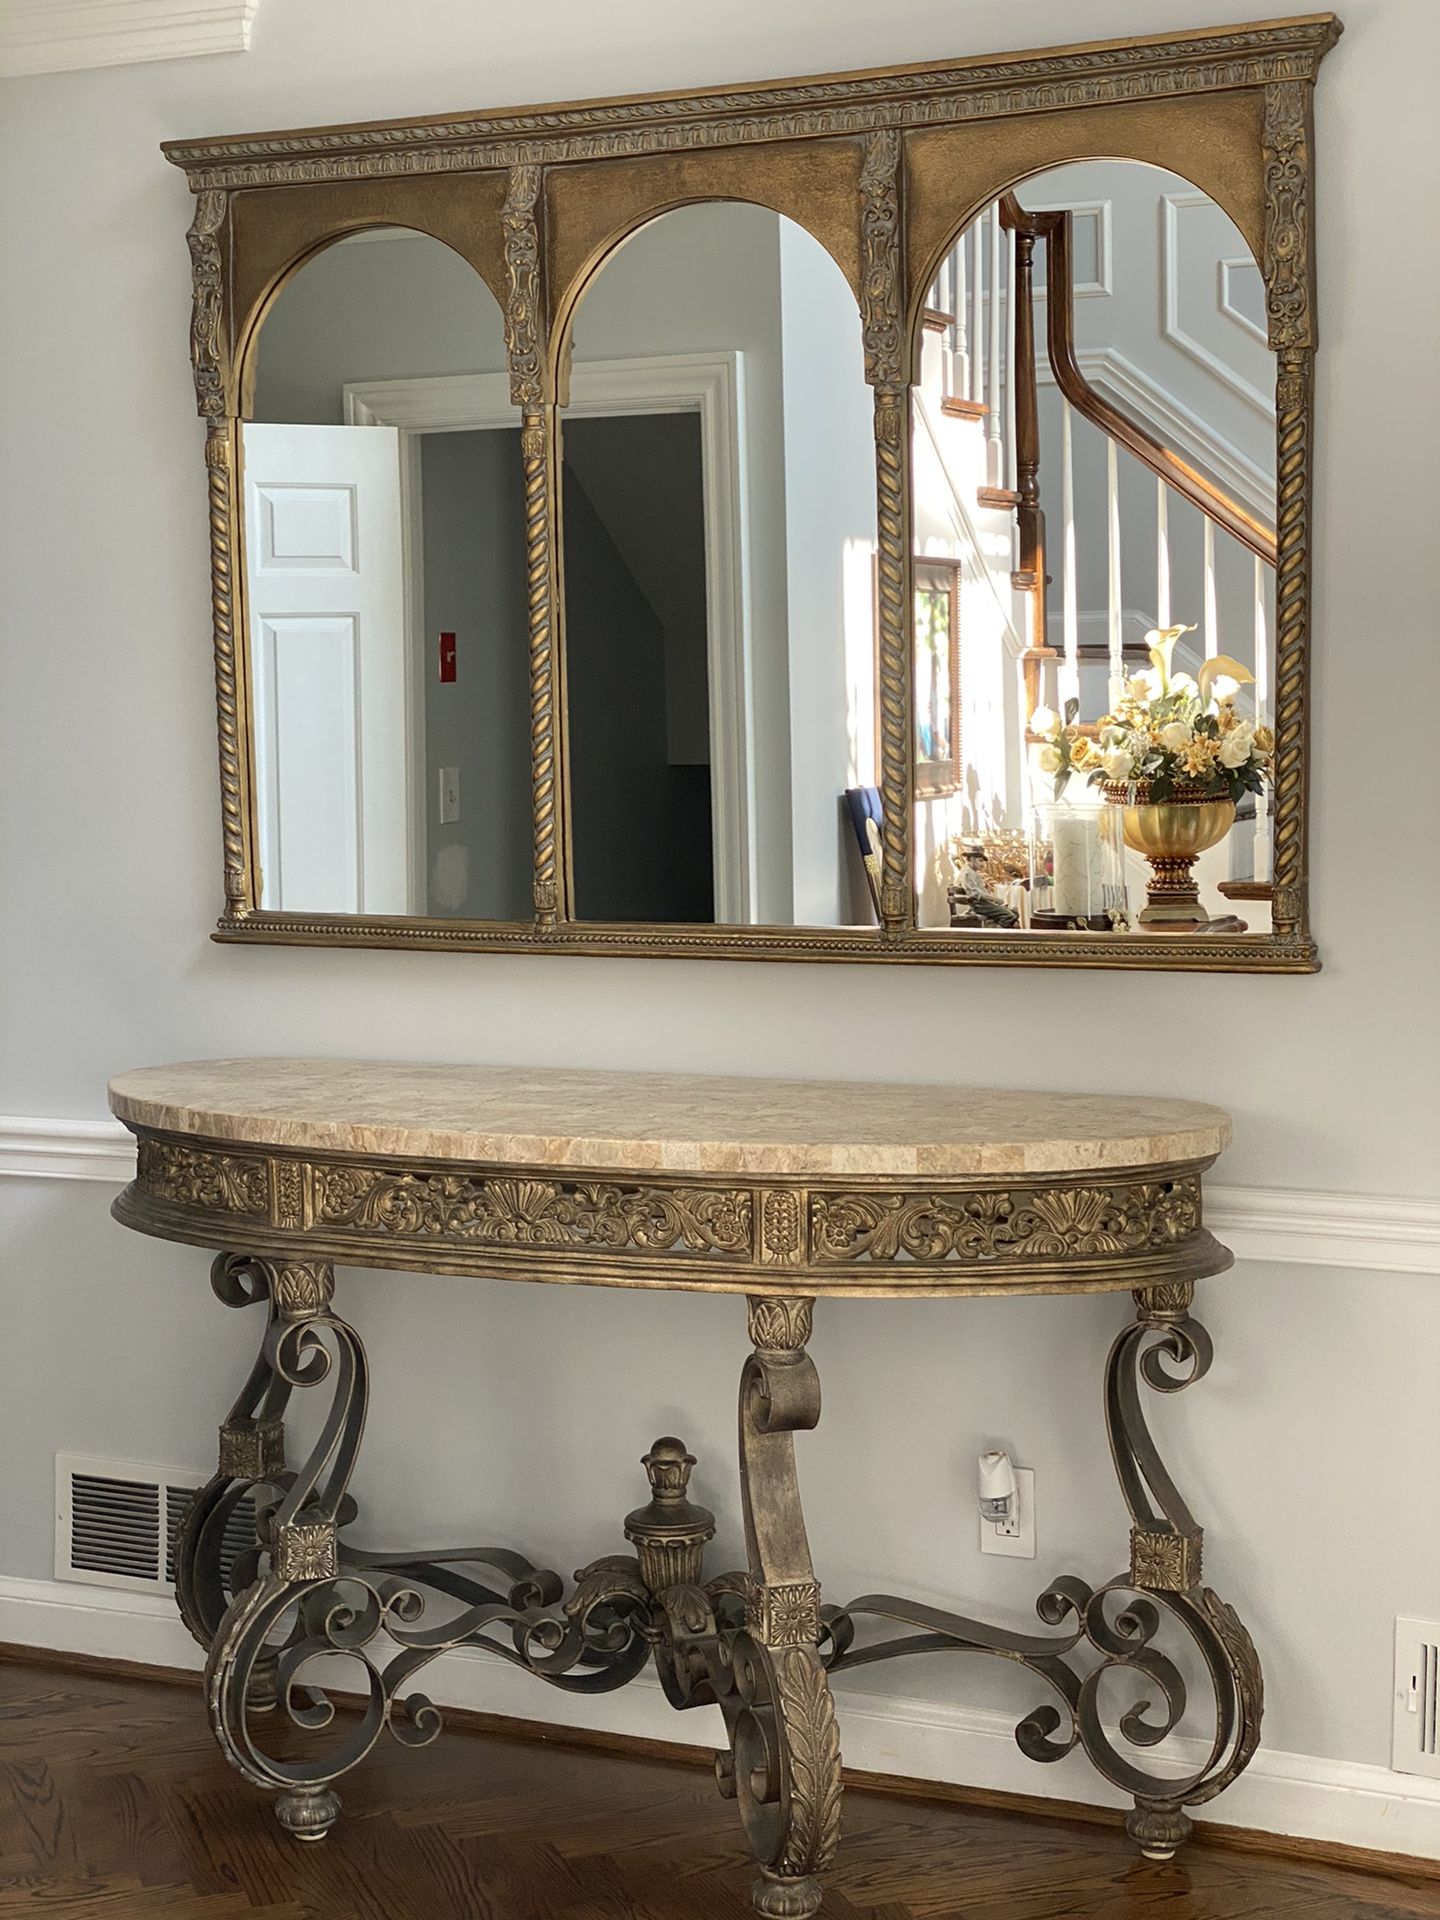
x=712 y=385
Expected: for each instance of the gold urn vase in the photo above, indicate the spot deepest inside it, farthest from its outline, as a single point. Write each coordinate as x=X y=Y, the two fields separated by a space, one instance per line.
x=1172 y=834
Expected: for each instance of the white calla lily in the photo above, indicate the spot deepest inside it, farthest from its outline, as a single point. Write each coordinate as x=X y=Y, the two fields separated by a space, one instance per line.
x=1161 y=642
x=1222 y=668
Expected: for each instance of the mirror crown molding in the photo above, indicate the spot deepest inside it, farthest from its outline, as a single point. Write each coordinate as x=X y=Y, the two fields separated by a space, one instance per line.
x=63 y=36
x=984 y=87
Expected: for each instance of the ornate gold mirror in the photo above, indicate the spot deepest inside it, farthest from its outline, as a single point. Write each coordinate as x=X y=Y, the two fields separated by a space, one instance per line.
x=753 y=524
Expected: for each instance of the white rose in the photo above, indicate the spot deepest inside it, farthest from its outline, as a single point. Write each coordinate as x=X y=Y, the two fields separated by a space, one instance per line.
x=1143 y=687
x=1112 y=736
x=1049 y=759
x=1175 y=736
x=1118 y=764
x=1182 y=683
x=1235 y=748
x=1045 y=721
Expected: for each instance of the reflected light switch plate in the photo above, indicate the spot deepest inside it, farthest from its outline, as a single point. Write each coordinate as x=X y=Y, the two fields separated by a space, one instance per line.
x=449 y=796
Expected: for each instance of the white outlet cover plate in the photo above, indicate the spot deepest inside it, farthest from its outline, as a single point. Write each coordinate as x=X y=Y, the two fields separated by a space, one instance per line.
x=1019 y=1545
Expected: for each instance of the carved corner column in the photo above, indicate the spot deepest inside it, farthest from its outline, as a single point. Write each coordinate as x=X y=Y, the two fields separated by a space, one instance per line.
x=1169 y=1351
x=213 y=374
x=1288 y=265
x=786 y=1745
x=881 y=306
x=526 y=347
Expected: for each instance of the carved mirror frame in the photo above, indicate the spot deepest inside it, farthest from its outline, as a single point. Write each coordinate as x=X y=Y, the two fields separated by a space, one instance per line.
x=883 y=168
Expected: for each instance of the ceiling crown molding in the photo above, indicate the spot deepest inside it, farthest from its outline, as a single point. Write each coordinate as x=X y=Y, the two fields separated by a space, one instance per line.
x=59 y=36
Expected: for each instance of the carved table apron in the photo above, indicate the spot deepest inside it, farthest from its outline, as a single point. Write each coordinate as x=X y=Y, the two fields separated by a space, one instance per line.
x=785 y=1192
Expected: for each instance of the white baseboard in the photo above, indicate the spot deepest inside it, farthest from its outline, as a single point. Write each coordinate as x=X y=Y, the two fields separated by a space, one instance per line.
x=1295 y=1794
x=1376 y=1233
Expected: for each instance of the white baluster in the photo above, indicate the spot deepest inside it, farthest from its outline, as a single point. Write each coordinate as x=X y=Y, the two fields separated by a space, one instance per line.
x=1262 y=710
x=1012 y=477
x=960 y=338
x=977 y=310
x=994 y=448
x=1117 y=603
x=1212 y=618
x=942 y=299
x=1162 y=555
x=1070 y=675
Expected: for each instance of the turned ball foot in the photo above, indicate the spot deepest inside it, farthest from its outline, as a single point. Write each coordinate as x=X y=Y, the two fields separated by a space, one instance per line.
x=1158 y=1827
x=785 y=1899
x=308 y=1813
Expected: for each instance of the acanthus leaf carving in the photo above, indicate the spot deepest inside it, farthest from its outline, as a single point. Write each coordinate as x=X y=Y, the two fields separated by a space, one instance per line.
x=880 y=288
x=523 y=296
x=1286 y=251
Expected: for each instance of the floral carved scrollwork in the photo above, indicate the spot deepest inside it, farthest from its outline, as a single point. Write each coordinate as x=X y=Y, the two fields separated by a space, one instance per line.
x=880 y=257
x=1024 y=1224
x=1286 y=253
x=196 y=1177
x=207 y=314
x=535 y=1212
x=522 y=301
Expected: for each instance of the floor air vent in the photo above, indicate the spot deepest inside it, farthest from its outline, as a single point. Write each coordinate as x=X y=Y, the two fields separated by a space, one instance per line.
x=1416 y=1744
x=116 y=1522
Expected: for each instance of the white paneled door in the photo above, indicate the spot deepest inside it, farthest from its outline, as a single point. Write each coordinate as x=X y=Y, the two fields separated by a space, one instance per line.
x=326 y=577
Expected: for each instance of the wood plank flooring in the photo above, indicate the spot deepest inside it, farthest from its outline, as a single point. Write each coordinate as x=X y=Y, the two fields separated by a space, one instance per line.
x=115 y=1805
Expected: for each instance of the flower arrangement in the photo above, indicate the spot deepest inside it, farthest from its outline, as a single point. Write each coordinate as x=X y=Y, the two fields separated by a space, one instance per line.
x=1169 y=737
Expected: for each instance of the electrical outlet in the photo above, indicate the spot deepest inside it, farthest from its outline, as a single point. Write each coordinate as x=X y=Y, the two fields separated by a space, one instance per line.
x=1415 y=1742
x=1015 y=1537
x=449 y=796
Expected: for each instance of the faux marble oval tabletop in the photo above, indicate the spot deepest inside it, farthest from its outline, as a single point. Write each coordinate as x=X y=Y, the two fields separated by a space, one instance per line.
x=539 y=1117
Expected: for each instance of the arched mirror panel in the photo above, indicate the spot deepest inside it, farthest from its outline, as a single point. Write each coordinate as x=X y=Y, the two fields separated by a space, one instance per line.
x=1093 y=488
x=718 y=489
x=385 y=583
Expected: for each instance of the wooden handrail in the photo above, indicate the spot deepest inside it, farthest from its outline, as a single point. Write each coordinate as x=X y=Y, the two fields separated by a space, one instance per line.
x=1030 y=574
x=1054 y=229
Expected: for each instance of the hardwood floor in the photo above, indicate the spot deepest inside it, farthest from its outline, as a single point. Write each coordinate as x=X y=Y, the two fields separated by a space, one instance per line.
x=115 y=1805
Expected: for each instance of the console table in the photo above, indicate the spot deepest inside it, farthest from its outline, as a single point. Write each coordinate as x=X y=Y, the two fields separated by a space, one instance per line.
x=785 y=1192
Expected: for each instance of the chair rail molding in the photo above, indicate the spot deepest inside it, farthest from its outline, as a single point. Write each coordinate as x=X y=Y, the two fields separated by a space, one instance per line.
x=61 y=36
x=1371 y=1232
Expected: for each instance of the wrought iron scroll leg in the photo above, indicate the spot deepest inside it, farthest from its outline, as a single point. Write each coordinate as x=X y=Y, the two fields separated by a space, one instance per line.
x=251 y=1455
x=304 y=1344
x=785 y=1771
x=1166 y=1547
